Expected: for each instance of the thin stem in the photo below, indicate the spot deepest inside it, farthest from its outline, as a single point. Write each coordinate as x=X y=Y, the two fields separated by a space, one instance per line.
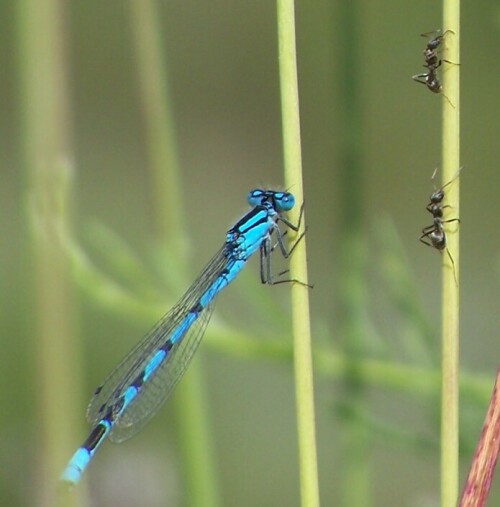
x=160 y=137
x=351 y=254
x=304 y=389
x=47 y=148
x=480 y=477
x=451 y=273
x=198 y=463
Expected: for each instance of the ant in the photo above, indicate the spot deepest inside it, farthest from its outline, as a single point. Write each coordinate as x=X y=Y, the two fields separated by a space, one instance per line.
x=435 y=235
x=430 y=52
x=432 y=63
x=436 y=198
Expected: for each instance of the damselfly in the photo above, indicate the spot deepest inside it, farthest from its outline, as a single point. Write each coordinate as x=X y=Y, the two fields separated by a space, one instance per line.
x=140 y=384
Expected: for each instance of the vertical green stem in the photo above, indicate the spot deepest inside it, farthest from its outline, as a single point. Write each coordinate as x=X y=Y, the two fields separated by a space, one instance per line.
x=352 y=255
x=159 y=124
x=451 y=273
x=47 y=153
x=304 y=388
x=193 y=428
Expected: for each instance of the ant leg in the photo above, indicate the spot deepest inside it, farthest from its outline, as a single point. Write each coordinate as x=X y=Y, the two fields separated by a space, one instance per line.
x=449 y=221
x=452 y=265
x=424 y=238
x=418 y=78
x=448 y=100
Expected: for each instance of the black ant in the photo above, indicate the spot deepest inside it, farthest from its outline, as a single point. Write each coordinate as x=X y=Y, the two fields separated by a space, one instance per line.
x=436 y=198
x=432 y=63
x=430 y=52
x=434 y=235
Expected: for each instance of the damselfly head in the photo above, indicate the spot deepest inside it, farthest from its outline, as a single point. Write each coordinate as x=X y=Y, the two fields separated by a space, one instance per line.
x=281 y=201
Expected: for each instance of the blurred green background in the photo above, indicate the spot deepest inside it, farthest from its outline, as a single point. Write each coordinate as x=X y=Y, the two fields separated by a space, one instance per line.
x=221 y=59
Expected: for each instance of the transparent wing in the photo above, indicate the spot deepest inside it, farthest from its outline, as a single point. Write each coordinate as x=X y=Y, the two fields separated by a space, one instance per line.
x=182 y=334
x=154 y=393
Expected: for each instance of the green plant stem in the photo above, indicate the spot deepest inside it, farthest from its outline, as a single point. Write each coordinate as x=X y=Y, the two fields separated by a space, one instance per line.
x=352 y=290
x=451 y=273
x=304 y=389
x=160 y=136
x=398 y=377
x=47 y=150
x=193 y=426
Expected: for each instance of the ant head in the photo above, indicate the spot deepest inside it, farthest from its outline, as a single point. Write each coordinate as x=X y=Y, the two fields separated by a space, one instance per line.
x=437 y=196
x=433 y=44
